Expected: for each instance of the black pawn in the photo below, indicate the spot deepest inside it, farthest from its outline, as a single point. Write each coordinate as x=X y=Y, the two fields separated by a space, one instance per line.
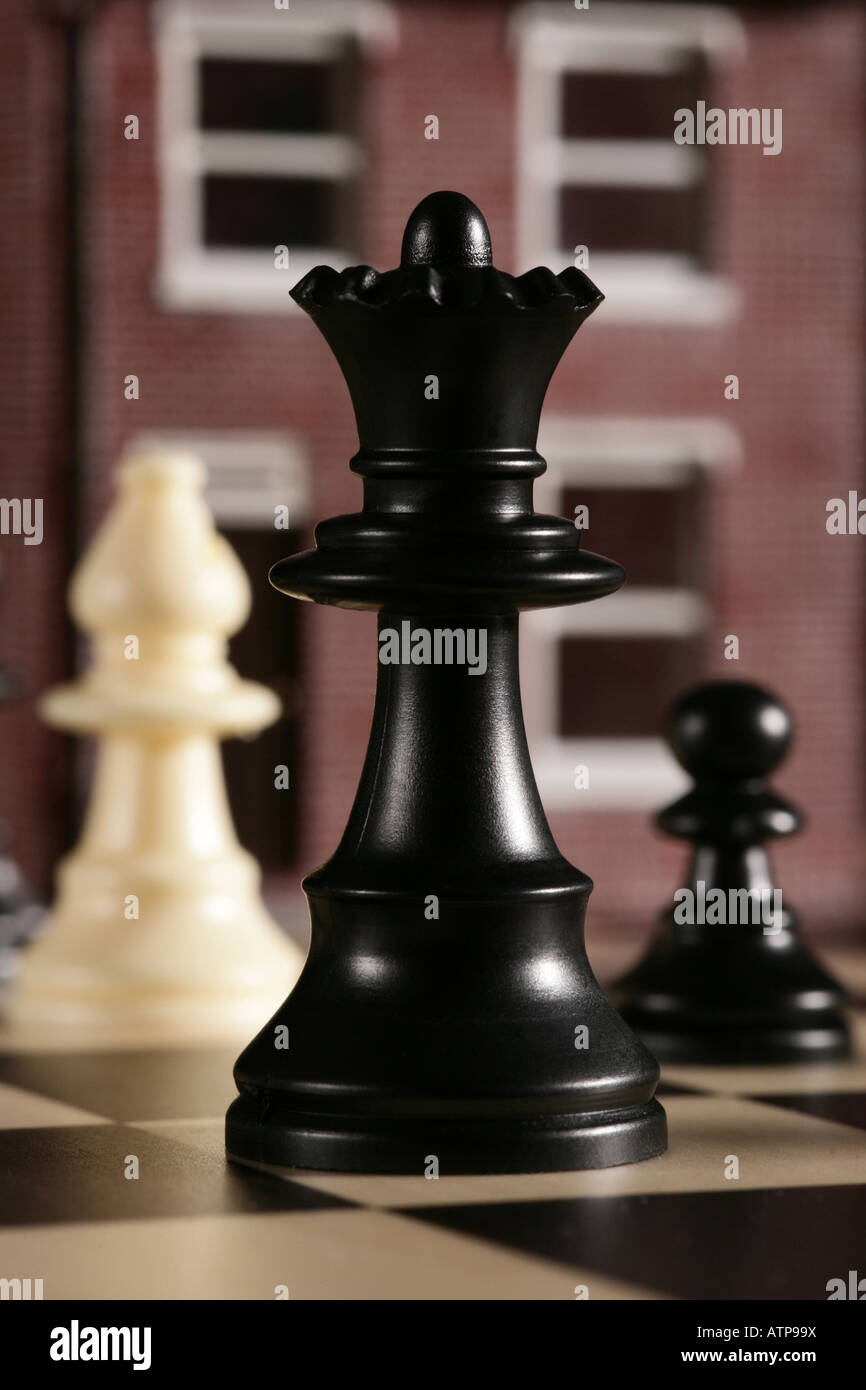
x=743 y=989
x=447 y=1011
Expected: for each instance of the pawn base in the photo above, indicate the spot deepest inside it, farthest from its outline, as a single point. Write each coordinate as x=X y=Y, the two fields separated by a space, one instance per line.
x=691 y=1042
x=734 y=997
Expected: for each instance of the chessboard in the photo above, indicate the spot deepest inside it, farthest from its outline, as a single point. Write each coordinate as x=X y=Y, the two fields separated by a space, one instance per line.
x=115 y=1186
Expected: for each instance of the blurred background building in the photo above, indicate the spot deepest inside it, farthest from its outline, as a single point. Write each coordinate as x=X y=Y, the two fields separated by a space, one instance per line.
x=307 y=128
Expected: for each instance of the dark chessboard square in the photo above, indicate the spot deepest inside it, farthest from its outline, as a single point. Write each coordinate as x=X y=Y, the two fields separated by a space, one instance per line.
x=77 y=1174
x=780 y=1244
x=845 y=1107
x=170 y=1084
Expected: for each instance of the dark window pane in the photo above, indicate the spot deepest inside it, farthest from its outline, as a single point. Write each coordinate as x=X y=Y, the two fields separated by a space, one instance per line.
x=632 y=219
x=628 y=106
x=655 y=533
x=242 y=95
x=266 y=649
x=621 y=687
x=268 y=212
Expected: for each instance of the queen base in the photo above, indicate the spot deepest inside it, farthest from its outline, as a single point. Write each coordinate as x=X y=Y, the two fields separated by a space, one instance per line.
x=480 y=1041
x=534 y=1144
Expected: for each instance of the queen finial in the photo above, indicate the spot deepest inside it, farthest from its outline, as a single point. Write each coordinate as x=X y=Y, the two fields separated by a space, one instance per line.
x=446 y=231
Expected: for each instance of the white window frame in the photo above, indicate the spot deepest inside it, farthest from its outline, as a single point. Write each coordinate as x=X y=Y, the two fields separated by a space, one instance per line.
x=249 y=472
x=551 y=39
x=633 y=773
x=190 y=275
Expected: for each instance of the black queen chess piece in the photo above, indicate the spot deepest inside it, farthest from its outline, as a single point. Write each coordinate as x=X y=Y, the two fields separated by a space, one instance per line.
x=447 y=1007
x=728 y=979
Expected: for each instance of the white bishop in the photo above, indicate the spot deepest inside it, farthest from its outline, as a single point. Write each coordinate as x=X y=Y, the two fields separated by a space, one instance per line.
x=158 y=931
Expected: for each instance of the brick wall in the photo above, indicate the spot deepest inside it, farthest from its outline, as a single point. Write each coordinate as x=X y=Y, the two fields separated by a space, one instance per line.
x=789 y=232
x=34 y=636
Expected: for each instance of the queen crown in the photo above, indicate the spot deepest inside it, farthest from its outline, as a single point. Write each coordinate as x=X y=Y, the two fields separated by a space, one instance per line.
x=447 y=360
x=492 y=340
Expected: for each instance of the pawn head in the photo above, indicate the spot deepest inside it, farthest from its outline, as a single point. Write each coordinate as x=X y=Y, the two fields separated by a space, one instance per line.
x=729 y=730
